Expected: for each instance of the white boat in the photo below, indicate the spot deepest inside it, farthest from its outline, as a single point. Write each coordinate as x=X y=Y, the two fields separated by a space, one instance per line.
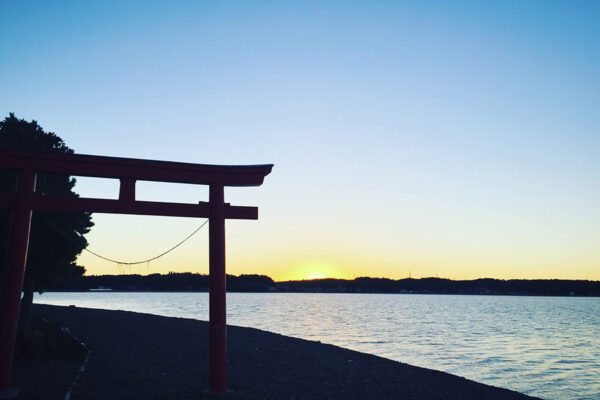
x=101 y=289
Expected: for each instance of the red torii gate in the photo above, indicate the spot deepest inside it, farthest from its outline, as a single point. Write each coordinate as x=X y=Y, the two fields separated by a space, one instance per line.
x=128 y=171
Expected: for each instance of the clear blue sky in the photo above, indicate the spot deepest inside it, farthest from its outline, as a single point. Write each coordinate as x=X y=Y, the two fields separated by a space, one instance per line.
x=460 y=139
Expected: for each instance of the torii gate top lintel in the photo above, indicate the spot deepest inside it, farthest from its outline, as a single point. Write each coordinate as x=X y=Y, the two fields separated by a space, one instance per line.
x=132 y=168
x=128 y=170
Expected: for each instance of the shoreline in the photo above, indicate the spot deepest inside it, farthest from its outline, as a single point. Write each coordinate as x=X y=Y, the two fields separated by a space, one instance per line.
x=138 y=355
x=329 y=292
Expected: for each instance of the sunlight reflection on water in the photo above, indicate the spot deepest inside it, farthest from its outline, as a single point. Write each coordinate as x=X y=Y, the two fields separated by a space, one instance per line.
x=543 y=346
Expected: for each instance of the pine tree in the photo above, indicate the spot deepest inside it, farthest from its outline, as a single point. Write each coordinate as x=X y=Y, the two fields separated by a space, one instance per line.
x=56 y=238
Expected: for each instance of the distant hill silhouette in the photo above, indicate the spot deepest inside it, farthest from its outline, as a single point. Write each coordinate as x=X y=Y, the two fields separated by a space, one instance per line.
x=261 y=283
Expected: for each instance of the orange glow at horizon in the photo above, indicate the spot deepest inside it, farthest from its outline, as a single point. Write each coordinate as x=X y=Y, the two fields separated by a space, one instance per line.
x=254 y=249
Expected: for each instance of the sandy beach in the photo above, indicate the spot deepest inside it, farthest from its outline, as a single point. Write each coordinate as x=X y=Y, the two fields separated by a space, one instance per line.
x=141 y=356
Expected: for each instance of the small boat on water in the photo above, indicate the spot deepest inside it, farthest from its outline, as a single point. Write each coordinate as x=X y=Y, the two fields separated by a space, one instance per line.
x=101 y=289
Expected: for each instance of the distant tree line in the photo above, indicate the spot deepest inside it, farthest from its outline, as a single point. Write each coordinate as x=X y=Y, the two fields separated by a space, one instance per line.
x=537 y=287
x=171 y=282
x=261 y=283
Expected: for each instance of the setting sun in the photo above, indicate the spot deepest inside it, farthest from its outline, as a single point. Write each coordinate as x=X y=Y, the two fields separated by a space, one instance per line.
x=314 y=269
x=316 y=276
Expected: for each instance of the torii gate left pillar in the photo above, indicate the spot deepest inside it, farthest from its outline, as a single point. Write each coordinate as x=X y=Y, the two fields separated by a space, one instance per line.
x=128 y=171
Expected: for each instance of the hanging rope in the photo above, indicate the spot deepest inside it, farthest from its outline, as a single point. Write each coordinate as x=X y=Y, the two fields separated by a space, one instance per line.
x=149 y=259
x=120 y=264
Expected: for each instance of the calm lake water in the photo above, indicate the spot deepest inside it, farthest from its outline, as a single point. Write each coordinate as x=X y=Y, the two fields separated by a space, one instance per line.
x=542 y=346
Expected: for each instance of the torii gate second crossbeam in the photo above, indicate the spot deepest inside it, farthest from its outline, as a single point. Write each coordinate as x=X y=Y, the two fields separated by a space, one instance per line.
x=128 y=171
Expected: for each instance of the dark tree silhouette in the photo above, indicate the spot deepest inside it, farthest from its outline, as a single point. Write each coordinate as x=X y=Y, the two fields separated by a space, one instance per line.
x=51 y=256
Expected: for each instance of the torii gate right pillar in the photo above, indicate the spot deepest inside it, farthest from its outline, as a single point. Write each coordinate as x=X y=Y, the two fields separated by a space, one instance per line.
x=217 y=306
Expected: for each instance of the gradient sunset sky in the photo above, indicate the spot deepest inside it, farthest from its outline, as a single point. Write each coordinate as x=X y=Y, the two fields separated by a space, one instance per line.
x=459 y=140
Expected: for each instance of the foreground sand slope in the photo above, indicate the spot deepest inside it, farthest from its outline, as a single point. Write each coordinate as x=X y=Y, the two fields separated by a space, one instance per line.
x=141 y=356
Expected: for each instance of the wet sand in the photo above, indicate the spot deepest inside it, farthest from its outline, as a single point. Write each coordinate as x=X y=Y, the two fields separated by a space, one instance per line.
x=142 y=356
